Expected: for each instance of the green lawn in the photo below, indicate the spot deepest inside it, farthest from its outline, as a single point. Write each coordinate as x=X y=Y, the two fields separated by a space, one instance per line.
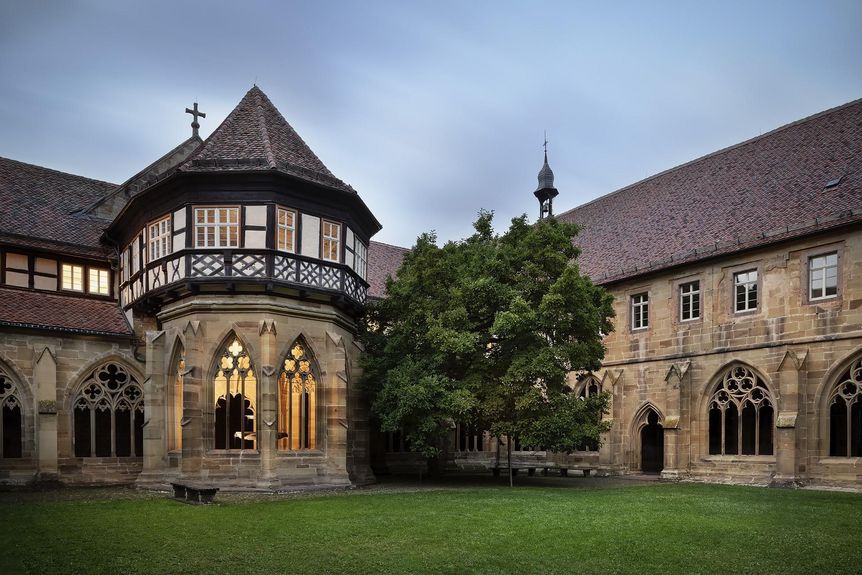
x=659 y=528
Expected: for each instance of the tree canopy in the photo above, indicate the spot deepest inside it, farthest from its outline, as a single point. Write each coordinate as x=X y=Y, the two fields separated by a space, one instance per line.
x=486 y=330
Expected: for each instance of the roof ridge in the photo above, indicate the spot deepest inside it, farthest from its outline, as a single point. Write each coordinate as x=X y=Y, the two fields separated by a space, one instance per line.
x=264 y=132
x=716 y=153
x=390 y=245
x=58 y=171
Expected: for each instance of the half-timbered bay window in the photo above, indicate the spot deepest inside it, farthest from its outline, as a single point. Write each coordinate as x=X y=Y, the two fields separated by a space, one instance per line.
x=823 y=276
x=745 y=294
x=72 y=277
x=109 y=414
x=689 y=301
x=640 y=311
x=361 y=265
x=99 y=281
x=217 y=227
x=286 y=233
x=331 y=241
x=11 y=421
x=159 y=238
x=297 y=401
x=235 y=399
x=845 y=413
x=740 y=415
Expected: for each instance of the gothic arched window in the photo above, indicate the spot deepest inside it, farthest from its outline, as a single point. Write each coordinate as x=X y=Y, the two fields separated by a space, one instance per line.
x=589 y=386
x=235 y=399
x=109 y=414
x=297 y=401
x=741 y=413
x=176 y=429
x=845 y=413
x=11 y=420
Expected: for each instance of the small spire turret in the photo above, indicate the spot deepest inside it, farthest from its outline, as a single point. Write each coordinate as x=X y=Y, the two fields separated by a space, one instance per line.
x=546 y=192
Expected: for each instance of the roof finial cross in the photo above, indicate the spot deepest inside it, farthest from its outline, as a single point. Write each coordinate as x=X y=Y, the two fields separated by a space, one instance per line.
x=195 y=113
x=545 y=145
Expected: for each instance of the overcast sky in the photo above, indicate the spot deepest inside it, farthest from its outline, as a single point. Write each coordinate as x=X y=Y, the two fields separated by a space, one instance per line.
x=431 y=110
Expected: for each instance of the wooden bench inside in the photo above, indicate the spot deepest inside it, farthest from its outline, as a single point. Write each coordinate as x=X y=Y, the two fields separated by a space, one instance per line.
x=194 y=492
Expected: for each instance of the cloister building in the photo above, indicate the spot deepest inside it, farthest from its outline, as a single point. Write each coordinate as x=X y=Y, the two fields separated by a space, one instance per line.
x=198 y=320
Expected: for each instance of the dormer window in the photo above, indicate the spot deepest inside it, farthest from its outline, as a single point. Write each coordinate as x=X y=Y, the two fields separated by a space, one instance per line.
x=331 y=241
x=286 y=230
x=217 y=227
x=73 y=277
x=100 y=281
x=160 y=238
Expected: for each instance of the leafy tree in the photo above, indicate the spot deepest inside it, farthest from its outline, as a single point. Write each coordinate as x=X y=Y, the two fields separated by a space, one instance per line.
x=487 y=329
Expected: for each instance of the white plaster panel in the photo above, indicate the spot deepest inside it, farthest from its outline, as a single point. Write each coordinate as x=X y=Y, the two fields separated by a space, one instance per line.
x=310 y=236
x=17 y=279
x=180 y=219
x=179 y=242
x=40 y=282
x=46 y=266
x=16 y=261
x=255 y=215
x=255 y=238
x=131 y=318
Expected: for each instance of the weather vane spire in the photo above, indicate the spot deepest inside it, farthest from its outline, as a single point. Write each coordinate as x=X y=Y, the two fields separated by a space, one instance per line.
x=195 y=113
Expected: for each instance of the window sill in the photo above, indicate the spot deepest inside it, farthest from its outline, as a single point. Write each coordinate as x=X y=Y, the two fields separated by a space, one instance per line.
x=296 y=454
x=842 y=461
x=251 y=453
x=764 y=459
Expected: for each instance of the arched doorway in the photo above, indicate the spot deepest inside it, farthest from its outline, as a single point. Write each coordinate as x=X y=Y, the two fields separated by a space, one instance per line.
x=652 y=444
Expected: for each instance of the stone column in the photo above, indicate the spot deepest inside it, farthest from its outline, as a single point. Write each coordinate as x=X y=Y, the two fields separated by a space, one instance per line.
x=675 y=445
x=267 y=430
x=193 y=400
x=338 y=430
x=792 y=375
x=45 y=376
x=154 y=412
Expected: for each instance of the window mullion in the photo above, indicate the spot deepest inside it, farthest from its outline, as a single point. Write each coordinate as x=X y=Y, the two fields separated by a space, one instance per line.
x=93 y=431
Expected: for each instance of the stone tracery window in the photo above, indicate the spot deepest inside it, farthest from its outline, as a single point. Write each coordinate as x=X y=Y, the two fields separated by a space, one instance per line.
x=589 y=387
x=741 y=413
x=235 y=399
x=845 y=413
x=11 y=420
x=109 y=414
x=297 y=400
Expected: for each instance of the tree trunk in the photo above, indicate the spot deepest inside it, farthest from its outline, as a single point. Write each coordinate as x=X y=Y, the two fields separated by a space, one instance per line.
x=509 y=457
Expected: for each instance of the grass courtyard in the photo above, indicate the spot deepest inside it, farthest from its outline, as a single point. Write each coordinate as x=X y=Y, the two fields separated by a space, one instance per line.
x=655 y=528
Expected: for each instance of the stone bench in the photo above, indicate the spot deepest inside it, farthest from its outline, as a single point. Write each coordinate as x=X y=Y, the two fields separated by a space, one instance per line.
x=545 y=467
x=194 y=492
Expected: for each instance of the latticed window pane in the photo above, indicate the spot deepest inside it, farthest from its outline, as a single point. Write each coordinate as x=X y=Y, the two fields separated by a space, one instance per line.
x=845 y=413
x=235 y=387
x=100 y=281
x=823 y=276
x=689 y=301
x=160 y=239
x=73 y=277
x=297 y=400
x=286 y=230
x=361 y=265
x=331 y=241
x=745 y=284
x=640 y=311
x=217 y=227
x=741 y=413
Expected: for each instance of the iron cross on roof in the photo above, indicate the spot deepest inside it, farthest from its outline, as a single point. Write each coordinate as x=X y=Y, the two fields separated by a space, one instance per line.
x=195 y=113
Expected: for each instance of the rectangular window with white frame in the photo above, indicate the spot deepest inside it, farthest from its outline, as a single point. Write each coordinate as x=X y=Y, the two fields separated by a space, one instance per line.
x=159 y=238
x=99 y=281
x=689 y=301
x=745 y=291
x=331 y=243
x=286 y=230
x=217 y=227
x=361 y=261
x=823 y=276
x=72 y=277
x=640 y=311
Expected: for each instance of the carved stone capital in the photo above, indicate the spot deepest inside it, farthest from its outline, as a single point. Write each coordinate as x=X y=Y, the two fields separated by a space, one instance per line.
x=47 y=407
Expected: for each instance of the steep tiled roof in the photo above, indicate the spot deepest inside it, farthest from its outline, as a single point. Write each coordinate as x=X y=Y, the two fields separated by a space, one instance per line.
x=255 y=136
x=38 y=208
x=764 y=190
x=54 y=312
x=383 y=262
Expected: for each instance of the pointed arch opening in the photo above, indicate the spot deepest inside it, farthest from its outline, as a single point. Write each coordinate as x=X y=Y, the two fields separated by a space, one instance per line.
x=176 y=380
x=741 y=414
x=235 y=391
x=298 y=390
x=649 y=432
x=845 y=413
x=108 y=413
x=11 y=418
x=588 y=386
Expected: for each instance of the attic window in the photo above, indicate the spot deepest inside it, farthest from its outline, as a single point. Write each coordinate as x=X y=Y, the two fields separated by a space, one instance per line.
x=833 y=182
